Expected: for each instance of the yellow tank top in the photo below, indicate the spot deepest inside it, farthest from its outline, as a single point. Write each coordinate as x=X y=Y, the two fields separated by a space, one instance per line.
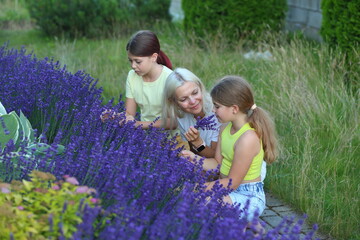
x=227 y=151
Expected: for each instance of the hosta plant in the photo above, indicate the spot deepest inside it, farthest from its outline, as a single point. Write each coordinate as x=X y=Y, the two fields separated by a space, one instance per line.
x=17 y=131
x=43 y=208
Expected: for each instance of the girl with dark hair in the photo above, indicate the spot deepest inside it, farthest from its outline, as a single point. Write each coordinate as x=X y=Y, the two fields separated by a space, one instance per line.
x=145 y=82
x=245 y=140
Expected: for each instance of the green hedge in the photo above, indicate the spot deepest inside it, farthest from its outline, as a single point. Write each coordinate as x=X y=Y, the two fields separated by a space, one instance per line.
x=341 y=28
x=233 y=18
x=91 y=18
x=341 y=22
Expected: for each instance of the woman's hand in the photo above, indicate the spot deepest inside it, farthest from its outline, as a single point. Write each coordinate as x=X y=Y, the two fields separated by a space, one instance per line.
x=193 y=136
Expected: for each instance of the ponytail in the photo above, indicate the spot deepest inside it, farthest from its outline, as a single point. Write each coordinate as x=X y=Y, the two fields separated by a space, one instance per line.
x=260 y=120
x=234 y=90
x=164 y=60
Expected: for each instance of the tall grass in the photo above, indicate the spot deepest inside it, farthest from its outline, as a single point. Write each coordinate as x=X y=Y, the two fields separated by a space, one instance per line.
x=317 y=120
x=302 y=87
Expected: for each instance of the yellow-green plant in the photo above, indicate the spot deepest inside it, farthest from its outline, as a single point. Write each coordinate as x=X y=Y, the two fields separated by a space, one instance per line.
x=42 y=208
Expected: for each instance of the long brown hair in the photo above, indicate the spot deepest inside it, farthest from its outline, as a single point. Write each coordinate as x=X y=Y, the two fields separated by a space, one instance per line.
x=234 y=90
x=145 y=43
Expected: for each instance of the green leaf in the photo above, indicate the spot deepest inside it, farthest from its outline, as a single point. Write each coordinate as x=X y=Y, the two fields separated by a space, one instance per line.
x=60 y=149
x=21 y=137
x=28 y=185
x=42 y=148
x=2 y=109
x=11 y=126
x=28 y=131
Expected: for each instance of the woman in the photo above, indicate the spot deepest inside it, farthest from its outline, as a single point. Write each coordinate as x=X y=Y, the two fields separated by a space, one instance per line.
x=186 y=101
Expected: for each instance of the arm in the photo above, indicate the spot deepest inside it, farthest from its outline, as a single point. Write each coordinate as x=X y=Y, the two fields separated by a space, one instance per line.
x=245 y=149
x=195 y=141
x=157 y=124
x=209 y=163
x=131 y=106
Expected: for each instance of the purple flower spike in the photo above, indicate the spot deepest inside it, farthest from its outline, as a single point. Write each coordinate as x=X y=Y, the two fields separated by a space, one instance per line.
x=206 y=123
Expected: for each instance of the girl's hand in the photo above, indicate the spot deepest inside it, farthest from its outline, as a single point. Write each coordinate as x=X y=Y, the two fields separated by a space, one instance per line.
x=190 y=155
x=108 y=114
x=127 y=119
x=193 y=136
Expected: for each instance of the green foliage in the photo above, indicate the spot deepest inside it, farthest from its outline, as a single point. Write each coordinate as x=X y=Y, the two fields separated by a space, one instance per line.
x=13 y=11
x=33 y=209
x=148 y=10
x=18 y=129
x=90 y=18
x=341 y=28
x=73 y=17
x=341 y=23
x=233 y=18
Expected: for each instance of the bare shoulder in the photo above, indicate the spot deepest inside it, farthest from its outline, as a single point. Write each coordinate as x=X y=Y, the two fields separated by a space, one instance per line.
x=249 y=139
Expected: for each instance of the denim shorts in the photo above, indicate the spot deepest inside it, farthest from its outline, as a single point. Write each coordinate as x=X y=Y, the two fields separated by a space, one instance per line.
x=252 y=192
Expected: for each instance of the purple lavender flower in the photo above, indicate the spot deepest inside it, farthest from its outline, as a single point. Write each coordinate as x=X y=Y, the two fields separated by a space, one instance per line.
x=206 y=123
x=142 y=182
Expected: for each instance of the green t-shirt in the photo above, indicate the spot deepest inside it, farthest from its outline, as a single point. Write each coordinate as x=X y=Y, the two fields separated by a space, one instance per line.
x=147 y=95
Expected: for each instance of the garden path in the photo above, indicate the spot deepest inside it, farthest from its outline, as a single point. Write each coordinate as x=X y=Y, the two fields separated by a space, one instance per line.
x=276 y=210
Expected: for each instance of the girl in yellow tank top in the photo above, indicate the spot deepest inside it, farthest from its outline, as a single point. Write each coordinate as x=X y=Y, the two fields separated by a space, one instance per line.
x=246 y=137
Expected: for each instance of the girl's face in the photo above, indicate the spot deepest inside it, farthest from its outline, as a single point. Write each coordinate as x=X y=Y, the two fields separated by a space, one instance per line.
x=223 y=113
x=189 y=98
x=142 y=65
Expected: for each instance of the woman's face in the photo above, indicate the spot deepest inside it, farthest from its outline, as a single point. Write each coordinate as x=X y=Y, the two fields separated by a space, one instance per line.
x=189 y=98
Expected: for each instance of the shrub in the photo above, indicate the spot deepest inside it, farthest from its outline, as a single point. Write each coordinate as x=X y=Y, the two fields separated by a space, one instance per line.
x=234 y=18
x=14 y=15
x=341 y=23
x=341 y=27
x=42 y=208
x=148 y=10
x=64 y=101
x=91 y=18
x=74 y=17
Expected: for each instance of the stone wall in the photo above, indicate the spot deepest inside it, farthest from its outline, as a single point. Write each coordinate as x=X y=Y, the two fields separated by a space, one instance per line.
x=305 y=16
x=302 y=15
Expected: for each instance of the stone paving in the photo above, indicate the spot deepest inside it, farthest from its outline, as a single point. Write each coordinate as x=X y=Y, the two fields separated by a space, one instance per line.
x=276 y=210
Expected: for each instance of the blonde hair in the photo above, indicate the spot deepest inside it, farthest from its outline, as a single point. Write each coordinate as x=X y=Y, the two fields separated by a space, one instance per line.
x=176 y=79
x=234 y=90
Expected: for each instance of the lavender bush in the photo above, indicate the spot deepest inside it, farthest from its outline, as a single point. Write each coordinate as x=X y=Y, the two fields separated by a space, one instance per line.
x=150 y=190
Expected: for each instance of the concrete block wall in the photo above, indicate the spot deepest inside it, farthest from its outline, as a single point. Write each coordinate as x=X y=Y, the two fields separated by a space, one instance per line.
x=305 y=16
x=302 y=15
